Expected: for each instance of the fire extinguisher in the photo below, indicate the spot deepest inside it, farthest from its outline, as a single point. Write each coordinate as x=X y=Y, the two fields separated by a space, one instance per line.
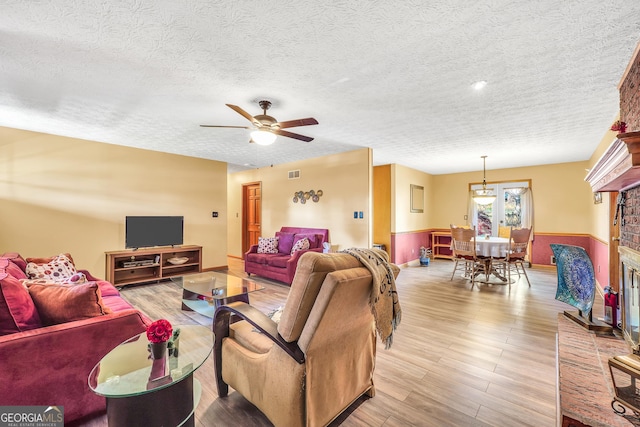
x=610 y=307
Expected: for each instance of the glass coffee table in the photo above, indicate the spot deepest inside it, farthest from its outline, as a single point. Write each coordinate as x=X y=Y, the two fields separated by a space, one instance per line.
x=141 y=391
x=204 y=292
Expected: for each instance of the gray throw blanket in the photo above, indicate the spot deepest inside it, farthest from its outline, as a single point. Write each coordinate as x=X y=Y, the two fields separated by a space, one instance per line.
x=384 y=303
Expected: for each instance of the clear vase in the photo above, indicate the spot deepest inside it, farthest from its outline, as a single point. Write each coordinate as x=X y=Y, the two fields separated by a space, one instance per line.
x=173 y=350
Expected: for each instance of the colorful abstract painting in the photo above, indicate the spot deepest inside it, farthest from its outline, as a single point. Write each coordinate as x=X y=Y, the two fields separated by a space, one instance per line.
x=576 y=278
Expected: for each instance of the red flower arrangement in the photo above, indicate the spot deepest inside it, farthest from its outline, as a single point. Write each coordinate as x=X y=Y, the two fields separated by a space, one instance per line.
x=159 y=331
x=619 y=126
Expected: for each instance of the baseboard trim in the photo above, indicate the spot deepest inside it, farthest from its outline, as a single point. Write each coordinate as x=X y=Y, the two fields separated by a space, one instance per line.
x=219 y=268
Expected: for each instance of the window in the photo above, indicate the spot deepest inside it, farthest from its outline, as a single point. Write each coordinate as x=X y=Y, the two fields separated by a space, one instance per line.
x=512 y=207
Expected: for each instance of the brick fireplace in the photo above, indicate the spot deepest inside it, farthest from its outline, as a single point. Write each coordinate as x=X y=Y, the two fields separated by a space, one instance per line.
x=629 y=88
x=580 y=354
x=619 y=167
x=630 y=114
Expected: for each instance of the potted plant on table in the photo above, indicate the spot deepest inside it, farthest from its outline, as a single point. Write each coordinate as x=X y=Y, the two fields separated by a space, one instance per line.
x=158 y=334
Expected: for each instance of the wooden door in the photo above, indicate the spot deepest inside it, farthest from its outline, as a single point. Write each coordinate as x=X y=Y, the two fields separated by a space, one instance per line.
x=614 y=242
x=251 y=214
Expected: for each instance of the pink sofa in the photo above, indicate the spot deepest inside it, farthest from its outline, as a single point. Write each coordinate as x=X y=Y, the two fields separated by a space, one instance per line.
x=282 y=266
x=50 y=365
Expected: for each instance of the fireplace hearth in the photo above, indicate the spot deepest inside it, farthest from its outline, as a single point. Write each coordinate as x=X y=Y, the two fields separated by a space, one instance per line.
x=630 y=296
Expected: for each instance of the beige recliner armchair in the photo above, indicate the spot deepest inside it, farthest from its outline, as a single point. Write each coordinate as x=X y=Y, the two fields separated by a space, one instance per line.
x=318 y=360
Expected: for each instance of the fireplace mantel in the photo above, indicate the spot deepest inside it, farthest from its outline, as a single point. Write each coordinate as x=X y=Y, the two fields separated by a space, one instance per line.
x=619 y=167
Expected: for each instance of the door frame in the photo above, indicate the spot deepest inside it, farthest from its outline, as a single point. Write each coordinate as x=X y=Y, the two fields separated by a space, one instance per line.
x=245 y=196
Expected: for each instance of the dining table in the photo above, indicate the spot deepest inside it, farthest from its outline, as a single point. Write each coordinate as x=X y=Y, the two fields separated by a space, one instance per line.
x=489 y=247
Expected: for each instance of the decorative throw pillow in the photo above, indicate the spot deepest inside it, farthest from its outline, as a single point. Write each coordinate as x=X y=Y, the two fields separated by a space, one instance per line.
x=285 y=242
x=16 y=258
x=300 y=245
x=60 y=304
x=76 y=279
x=12 y=268
x=46 y=260
x=267 y=245
x=17 y=311
x=314 y=239
x=59 y=270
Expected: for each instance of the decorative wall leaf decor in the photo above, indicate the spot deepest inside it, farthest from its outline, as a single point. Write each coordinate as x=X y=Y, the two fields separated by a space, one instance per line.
x=303 y=196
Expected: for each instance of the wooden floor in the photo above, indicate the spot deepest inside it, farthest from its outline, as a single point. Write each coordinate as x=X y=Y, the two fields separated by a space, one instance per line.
x=460 y=357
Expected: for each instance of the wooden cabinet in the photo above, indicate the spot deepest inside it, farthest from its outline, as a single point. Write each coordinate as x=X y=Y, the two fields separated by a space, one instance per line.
x=151 y=264
x=441 y=244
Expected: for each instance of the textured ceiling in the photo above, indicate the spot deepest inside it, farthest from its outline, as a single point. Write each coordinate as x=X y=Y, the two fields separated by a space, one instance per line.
x=392 y=75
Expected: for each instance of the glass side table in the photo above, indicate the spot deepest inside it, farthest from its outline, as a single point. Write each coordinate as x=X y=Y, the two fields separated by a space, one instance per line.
x=204 y=292
x=142 y=391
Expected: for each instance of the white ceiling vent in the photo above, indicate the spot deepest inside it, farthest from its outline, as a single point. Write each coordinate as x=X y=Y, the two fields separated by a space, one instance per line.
x=294 y=174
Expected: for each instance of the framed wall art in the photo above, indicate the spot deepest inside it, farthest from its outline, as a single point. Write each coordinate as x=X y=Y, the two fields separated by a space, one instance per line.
x=417 y=198
x=597 y=198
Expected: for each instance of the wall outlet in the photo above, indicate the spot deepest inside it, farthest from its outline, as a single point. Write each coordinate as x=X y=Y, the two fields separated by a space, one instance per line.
x=214 y=214
x=466 y=217
x=553 y=260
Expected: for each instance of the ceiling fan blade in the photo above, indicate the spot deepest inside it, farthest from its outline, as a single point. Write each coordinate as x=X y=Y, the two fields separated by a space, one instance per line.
x=299 y=122
x=244 y=114
x=292 y=135
x=216 y=126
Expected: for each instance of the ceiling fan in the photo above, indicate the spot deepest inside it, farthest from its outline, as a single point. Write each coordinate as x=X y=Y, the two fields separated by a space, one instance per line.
x=266 y=128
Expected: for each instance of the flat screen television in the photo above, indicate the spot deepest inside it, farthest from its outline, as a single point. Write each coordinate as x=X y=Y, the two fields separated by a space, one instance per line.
x=147 y=231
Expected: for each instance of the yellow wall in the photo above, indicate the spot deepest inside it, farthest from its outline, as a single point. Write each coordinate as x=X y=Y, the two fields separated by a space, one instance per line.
x=562 y=199
x=62 y=194
x=346 y=181
x=403 y=219
x=75 y=194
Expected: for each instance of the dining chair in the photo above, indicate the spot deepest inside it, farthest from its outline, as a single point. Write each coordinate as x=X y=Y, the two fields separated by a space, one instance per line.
x=463 y=245
x=516 y=254
x=504 y=230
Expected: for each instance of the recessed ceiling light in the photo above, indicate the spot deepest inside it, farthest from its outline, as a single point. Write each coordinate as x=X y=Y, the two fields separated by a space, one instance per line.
x=479 y=85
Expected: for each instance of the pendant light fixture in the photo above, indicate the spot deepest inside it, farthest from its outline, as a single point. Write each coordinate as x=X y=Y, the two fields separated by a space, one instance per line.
x=484 y=196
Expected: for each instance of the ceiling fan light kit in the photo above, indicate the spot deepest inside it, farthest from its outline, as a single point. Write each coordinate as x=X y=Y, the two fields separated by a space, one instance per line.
x=263 y=137
x=484 y=196
x=267 y=128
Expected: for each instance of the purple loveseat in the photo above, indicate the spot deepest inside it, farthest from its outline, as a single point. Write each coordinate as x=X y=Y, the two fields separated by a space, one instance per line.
x=281 y=266
x=44 y=365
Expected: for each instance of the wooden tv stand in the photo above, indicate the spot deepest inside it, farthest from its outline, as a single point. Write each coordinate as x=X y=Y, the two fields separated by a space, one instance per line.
x=154 y=264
